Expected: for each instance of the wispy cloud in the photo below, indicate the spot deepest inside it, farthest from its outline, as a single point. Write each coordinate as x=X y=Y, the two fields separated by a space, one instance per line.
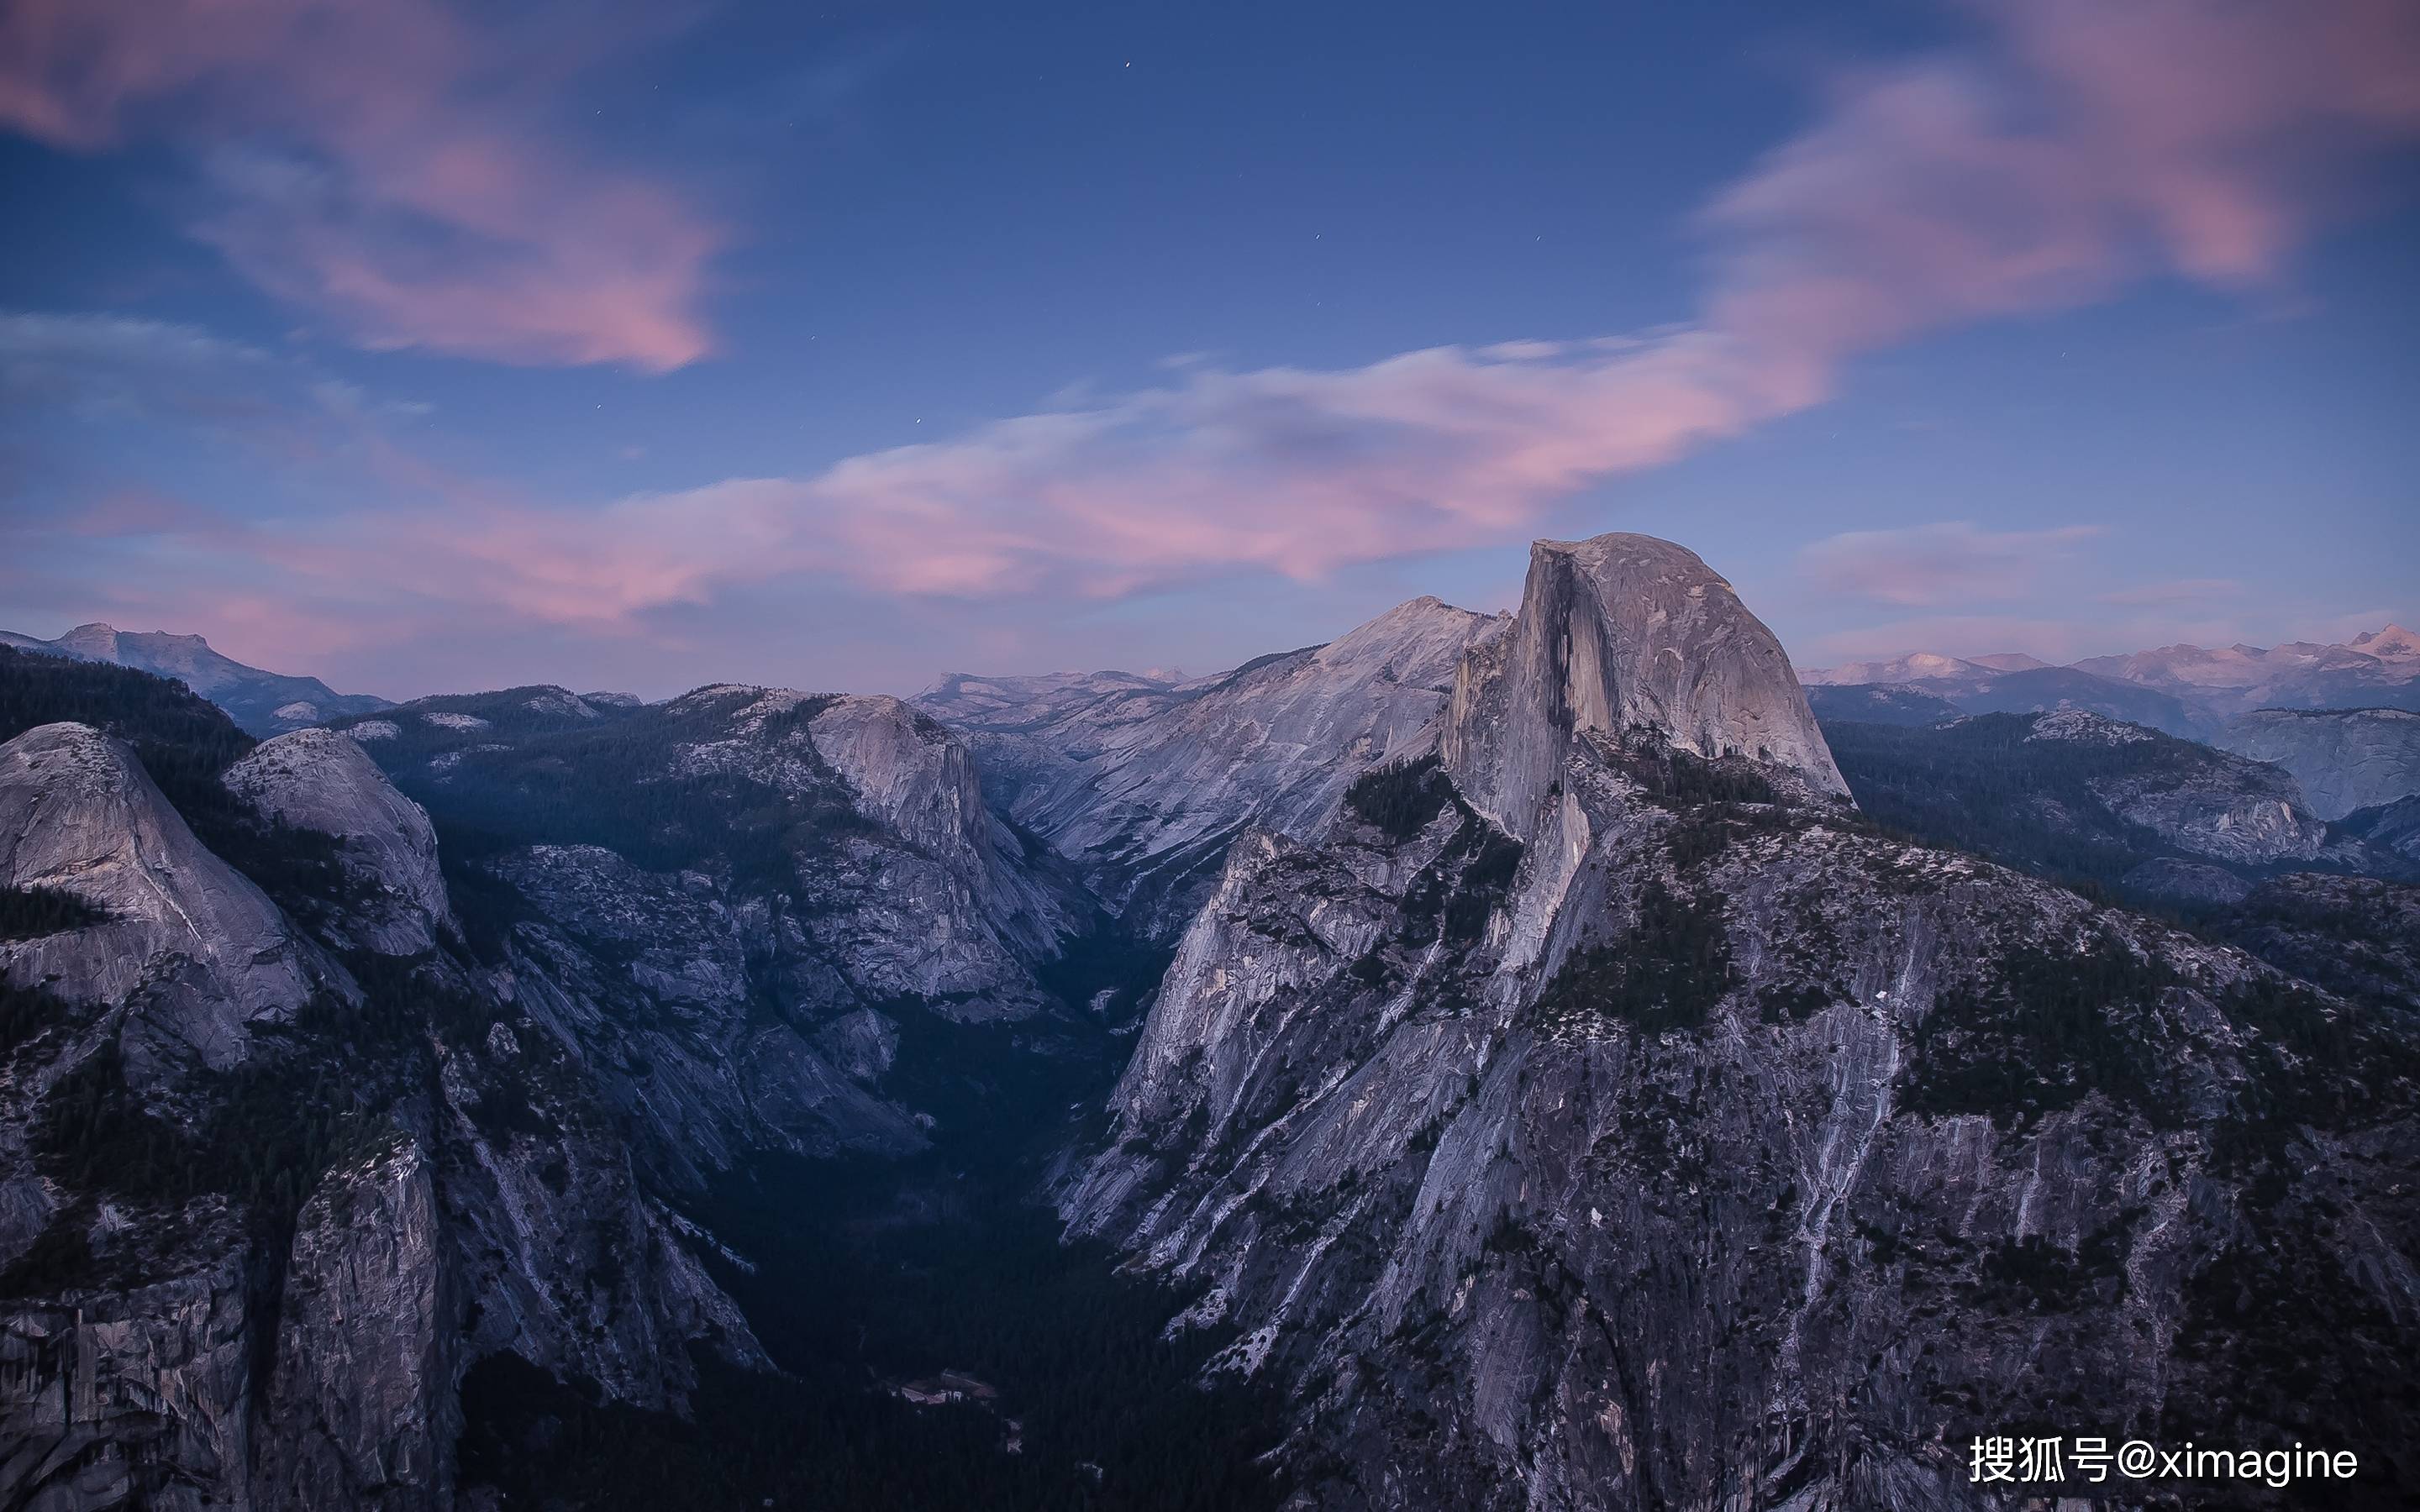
x=375 y=162
x=99 y=368
x=2079 y=147
x=1926 y=566
x=2075 y=146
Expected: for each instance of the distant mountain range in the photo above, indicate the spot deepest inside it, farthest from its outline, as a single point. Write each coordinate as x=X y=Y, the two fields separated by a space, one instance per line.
x=1553 y=1066
x=263 y=702
x=2183 y=690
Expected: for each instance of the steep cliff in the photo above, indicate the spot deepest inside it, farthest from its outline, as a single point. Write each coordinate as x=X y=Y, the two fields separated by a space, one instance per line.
x=1616 y=634
x=271 y=1182
x=2345 y=758
x=1608 y=1117
x=368 y=1344
x=186 y=951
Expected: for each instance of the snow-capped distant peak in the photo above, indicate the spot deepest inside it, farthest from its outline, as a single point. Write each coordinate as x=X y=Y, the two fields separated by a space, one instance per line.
x=2393 y=642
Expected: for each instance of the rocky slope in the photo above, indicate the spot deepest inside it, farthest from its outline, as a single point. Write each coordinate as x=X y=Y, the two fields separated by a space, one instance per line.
x=851 y=829
x=189 y=956
x=261 y=702
x=260 y=1210
x=1604 y=1116
x=321 y=782
x=2345 y=758
x=2394 y=826
x=1143 y=784
x=287 y=1150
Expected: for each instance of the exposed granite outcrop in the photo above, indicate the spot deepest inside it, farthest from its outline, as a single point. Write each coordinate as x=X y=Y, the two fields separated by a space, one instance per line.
x=1615 y=634
x=2345 y=758
x=1684 y=1148
x=136 y=1399
x=191 y=956
x=369 y=1335
x=320 y=781
x=2199 y=801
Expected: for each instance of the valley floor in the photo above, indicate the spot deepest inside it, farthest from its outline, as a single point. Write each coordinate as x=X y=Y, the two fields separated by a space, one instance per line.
x=869 y=1271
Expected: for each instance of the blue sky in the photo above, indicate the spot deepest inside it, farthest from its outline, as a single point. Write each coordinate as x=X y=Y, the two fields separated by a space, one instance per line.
x=423 y=348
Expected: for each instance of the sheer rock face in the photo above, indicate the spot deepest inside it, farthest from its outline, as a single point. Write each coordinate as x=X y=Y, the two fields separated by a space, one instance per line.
x=320 y=781
x=648 y=978
x=1511 y=1240
x=915 y=778
x=1143 y=784
x=929 y=895
x=134 y=1398
x=192 y=953
x=567 y=1252
x=1668 y=1153
x=367 y=1345
x=518 y=1195
x=1617 y=633
x=2345 y=758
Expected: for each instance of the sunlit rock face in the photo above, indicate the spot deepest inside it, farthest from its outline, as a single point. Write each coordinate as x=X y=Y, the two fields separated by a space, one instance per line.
x=1607 y=1117
x=1616 y=634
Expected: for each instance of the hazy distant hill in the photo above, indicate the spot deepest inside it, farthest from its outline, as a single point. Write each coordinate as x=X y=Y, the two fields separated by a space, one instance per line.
x=2184 y=690
x=263 y=702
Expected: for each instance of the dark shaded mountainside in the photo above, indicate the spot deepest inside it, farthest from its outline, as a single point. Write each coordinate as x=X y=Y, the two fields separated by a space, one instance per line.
x=2098 y=803
x=497 y=1153
x=1530 y=1081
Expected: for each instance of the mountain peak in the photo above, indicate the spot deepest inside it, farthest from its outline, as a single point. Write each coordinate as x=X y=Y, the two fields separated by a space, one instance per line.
x=1419 y=641
x=2394 y=641
x=96 y=640
x=1616 y=633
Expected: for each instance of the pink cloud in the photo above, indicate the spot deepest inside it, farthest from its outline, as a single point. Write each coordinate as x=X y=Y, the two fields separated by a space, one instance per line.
x=363 y=162
x=2085 y=145
x=2082 y=144
x=1288 y=470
